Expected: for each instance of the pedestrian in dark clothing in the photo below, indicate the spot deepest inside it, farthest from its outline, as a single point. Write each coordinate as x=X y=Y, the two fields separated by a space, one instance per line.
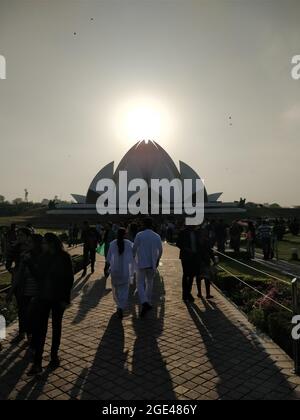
x=187 y=243
x=3 y=246
x=11 y=247
x=55 y=281
x=75 y=234
x=24 y=283
x=221 y=234
x=15 y=265
x=90 y=238
x=212 y=232
x=70 y=234
x=205 y=256
x=235 y=236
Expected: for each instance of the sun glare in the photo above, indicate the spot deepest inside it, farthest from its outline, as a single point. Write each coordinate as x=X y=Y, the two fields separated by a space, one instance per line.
x=142 y=120
x=143 y=123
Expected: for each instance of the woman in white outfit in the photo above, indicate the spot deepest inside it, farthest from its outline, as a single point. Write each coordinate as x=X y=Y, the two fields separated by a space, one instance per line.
x=120 y=259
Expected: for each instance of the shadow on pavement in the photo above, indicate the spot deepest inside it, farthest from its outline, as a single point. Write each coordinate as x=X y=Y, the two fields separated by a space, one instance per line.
x=243 y=369
x=92 y=293
x=115 y=374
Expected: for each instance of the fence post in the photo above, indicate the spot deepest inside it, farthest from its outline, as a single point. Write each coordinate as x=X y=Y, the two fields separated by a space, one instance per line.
x=296 y=343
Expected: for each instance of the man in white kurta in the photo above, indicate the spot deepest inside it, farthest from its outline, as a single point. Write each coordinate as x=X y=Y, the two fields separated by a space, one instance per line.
x=147 y=250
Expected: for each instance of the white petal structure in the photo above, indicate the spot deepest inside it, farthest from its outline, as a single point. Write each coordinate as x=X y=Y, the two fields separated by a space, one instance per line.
x=147 y=161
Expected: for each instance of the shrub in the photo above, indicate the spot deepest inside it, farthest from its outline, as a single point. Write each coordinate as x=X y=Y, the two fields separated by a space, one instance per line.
x=63 y=237
x=226 y=283
x=279 y=329
x=261 y=311
x=257 y=318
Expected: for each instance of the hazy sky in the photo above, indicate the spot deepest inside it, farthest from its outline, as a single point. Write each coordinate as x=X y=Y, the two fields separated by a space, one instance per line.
x=64 y=103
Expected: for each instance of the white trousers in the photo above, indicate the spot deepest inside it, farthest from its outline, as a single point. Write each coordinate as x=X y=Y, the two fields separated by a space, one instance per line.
x=120 y=294
x=145 y=277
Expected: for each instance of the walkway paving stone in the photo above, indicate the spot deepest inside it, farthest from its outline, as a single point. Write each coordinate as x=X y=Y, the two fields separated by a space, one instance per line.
x=206 y=351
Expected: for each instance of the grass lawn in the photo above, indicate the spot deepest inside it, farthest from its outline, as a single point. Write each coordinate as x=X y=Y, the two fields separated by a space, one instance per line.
x=4 y=280
x=42 y=231
x=291 y=238
x=285 y=247
x=236 y=269
x=6 y=221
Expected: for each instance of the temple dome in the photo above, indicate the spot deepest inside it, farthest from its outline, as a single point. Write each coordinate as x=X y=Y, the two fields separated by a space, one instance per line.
x=146 y=160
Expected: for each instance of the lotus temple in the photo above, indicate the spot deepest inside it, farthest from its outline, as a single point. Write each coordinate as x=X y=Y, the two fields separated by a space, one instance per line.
x=145 y=160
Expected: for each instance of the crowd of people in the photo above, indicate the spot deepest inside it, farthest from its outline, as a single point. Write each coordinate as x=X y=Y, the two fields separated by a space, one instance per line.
x=42 y=277
x=250 y=234
x=42 y=280
x=42 y=271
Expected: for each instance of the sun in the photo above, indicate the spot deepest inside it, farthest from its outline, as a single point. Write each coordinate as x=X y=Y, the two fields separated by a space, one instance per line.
x=143 y=123
x=142 y=119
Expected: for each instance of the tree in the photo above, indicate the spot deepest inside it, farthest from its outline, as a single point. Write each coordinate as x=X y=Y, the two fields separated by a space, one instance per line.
x=51 y=205
x=250 y=204
x=242 y=202
x=17 y=201
x=2 y=198
x=45 y=202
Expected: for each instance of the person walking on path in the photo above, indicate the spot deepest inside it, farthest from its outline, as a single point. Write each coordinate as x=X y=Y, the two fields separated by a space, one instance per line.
x=204 y=269
x=70 y=234
x=108 y=237
x=147 y=250
x=11 y=246
x=220 y=231
x=187 y=243
x=121 y=264
x=55 y=280
x=90 y=238
x=24 y=283
x=75 y=234
x=15 y=265
x=235 y=236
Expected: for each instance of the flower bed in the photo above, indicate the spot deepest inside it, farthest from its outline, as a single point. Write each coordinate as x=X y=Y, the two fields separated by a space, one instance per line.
x=261 y=311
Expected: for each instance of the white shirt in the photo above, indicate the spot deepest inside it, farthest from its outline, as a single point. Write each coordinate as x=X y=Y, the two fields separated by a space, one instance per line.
x=147 y=249
x=121 y=266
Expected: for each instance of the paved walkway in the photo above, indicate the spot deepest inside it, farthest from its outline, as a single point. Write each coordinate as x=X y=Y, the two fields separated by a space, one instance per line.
x=203 y=351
